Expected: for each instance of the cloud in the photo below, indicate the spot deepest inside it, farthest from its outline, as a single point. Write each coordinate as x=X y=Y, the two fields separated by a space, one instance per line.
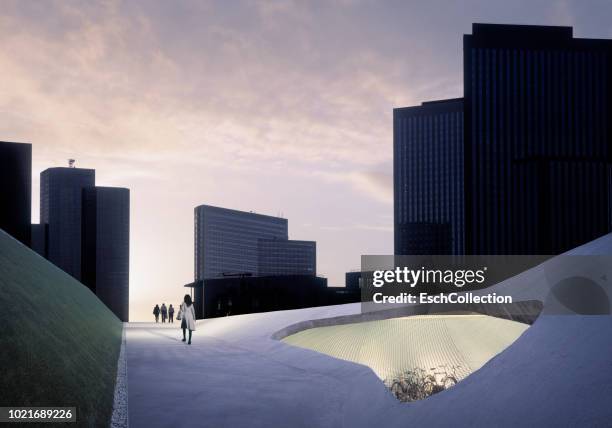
x=103 y=80
x=361 y=226
x=374 y=184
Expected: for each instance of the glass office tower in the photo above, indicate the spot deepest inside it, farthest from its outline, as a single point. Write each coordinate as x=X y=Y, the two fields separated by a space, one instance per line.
x=61 y=193
x=538 y=133
x=428 y=178
x=38 y=241
x=226 y=241
x=16 y=190
x=106 y=246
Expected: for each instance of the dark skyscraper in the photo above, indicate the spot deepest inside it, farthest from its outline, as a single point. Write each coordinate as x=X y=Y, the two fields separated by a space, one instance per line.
x=16 y=190
x=538 y=132
x=428 y=178
x=106 y=246
x=286 y=257
x=536 y=148
x=39 y=239
x=61 y=193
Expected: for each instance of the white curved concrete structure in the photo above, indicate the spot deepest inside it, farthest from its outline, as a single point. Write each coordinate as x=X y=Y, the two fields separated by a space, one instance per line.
x=558 y=373
x=462 y=343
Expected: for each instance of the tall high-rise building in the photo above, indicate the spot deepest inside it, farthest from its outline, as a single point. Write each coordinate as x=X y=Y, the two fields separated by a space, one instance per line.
x=226 y=241
x=538 y=139
x=286 y=257
x=39 y=239
x=106 y=246
x=61 y=194
x=428 y=178
x=16 y=190
x=536 y=148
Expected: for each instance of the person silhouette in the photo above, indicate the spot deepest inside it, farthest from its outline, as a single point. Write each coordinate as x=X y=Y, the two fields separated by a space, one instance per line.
x=164 y=312
x=171 y=314
x=156 y=313
x=188 y=317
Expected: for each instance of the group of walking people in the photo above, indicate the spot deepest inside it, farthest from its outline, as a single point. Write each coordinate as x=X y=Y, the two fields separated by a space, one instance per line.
x=166 y=313
x=186 y=315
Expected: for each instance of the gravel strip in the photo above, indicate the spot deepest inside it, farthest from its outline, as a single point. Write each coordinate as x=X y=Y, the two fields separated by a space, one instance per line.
x=120 y=406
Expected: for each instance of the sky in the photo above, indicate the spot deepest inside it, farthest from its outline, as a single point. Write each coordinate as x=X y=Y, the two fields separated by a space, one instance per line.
x=278 y=107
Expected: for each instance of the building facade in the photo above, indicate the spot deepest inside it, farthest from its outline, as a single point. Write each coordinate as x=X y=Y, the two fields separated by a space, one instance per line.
x=39 y=239
x=428 y=178
x=61 y=193
x=106 y=246
x=16 y=190
x=227 y=241
x=352 y=280
x=538 y=128
x=532 y=169
x=286 y=257
x=249 y=294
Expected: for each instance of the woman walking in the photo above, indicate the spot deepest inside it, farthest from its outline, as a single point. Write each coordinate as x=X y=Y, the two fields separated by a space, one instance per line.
x=188 y=317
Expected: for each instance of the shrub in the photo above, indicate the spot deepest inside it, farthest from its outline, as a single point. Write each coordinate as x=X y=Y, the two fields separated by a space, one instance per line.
x=418 y=383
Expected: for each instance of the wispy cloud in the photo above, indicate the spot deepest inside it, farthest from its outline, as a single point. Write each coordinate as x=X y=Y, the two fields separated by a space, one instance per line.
x=359 y=226
x=372 y=184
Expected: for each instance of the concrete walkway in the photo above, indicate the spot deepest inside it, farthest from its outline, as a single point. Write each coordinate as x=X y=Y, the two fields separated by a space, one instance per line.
x=235 y=381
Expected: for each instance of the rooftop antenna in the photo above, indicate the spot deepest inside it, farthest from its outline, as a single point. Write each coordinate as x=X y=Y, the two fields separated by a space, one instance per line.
x=71 y=163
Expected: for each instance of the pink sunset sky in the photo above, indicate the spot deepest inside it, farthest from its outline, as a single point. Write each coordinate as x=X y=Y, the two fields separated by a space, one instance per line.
x=276 y=107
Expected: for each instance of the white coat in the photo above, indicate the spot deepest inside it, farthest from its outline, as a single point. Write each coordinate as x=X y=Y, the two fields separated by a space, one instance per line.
x=188 y=314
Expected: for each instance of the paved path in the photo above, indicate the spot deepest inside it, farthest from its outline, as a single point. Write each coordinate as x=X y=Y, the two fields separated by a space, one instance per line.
x=237 y=379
